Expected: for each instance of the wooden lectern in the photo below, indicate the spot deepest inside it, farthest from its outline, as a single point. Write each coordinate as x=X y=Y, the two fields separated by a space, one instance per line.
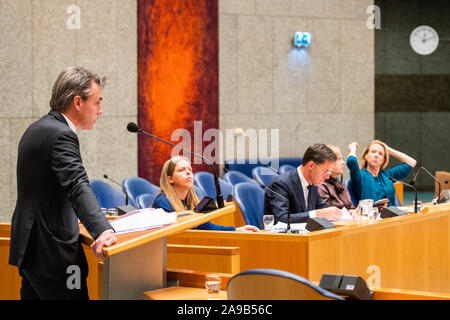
x=137 y=262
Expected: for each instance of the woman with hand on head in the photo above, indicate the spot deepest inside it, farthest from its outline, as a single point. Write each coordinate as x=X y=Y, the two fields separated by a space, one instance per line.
x=177 y=193
x=334 y=192
x=371 y=181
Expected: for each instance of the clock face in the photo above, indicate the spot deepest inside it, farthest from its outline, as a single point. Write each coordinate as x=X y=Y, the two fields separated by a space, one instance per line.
x=424 y=40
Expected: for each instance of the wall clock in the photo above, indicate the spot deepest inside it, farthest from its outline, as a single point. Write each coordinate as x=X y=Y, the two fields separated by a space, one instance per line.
x=424 y=40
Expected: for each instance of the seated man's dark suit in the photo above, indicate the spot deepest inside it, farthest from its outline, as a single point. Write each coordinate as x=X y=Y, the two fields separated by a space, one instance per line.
x=289 y=186
x=53 y=193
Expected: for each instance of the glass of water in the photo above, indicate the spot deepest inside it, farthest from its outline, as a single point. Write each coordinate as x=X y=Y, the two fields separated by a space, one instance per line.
x=213 y=282
x=365 y=207
x=268 y=222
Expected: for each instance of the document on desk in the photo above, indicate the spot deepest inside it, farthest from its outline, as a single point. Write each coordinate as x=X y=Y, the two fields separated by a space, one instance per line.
x=143 y=219
x=346 y=215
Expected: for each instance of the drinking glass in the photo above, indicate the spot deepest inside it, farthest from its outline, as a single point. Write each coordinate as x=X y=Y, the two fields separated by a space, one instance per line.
x=365 y=207
x=268 y=222
x=213 y=283
x=373 y=215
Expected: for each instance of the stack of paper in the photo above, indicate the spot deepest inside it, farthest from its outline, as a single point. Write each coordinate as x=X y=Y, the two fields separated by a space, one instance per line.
x=143 y=219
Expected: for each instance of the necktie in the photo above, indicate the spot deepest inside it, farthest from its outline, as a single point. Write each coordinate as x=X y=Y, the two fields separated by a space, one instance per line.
x=308 y=205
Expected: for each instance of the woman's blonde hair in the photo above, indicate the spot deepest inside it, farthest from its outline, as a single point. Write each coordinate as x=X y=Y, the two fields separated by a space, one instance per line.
x=167 y=187
x=336 y=150
x=366 y=150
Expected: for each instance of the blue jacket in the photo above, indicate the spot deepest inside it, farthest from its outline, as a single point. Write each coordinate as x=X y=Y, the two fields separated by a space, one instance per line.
x=366 y=186
x=289 y=186
x=161 y=201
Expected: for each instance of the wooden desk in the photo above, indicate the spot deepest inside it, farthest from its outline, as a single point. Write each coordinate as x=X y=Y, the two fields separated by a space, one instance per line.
x=408 y=252
x=190 y=293
x=181 y=293
x=137 y=262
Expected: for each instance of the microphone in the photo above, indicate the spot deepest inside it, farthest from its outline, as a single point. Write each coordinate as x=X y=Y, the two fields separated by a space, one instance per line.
x=439 y=183
x=411 y=186
x=121 y=187
x=133 y=127
x=288 y=227
x=413 y=180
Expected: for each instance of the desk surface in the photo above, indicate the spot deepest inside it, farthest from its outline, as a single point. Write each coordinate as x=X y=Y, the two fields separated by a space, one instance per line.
x=189 y=293
x=186 y=220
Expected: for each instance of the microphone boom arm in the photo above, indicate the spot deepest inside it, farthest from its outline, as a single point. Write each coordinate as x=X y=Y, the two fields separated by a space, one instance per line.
x=220 y=202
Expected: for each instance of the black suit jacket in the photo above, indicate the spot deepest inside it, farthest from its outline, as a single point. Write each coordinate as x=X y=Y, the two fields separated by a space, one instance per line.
x=53 y=192
x=289 y=186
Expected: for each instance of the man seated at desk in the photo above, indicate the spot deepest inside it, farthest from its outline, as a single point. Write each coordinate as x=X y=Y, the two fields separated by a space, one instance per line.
x=297 y=190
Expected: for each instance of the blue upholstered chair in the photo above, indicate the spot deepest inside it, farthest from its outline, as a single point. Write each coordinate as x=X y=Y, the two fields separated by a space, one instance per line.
x=135 y=186
x=200 y=193
x=250 y=199
x=205 y=181
x=107 y=196
x=264 y=175
x=286 y=168
x=145 y=200
x=271 y=284
x=235 y=177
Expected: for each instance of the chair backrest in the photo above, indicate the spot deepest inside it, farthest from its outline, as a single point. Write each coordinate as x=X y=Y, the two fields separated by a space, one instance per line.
x=235 y=177
x=271 y=284
x=250 y=199
x=246 y=165
x=107 y=196
x=264 y=175
x=200 y=193
x=145 y=200
x=286 y=168
x=205 y=181
x=135 y=186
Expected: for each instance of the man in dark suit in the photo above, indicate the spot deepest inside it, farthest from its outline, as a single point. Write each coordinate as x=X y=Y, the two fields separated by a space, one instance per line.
x=54 y=192
x=297 y=190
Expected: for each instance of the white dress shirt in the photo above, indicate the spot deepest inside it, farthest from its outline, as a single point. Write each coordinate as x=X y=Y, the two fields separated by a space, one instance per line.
x=305 y=184
x=70 y=123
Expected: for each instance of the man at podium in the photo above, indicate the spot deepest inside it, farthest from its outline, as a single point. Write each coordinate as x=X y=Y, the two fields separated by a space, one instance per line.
x=54 y=192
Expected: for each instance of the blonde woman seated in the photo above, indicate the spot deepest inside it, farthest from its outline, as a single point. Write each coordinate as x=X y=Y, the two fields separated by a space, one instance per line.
x=335 y=193
x=177 y=193
x=371 y=181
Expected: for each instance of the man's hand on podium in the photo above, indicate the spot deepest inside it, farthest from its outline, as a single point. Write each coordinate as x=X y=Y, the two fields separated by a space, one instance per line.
x=106 y=239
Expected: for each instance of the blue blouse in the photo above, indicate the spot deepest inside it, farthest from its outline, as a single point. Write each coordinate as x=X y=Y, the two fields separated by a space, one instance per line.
x=365 y=186
x=161 y=201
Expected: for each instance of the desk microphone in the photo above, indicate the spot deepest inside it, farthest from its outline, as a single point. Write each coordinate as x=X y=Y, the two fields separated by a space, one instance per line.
x=121 y=187
x=133 y=127
x=288 y=227
x=411 y=186
x=439 y=184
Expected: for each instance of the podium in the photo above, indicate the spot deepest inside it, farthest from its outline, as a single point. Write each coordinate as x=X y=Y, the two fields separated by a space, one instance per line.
x=137 y=262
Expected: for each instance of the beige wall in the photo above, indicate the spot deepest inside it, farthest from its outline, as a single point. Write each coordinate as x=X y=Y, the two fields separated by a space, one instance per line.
x=323 y=95
x=327 y=96
x=35 y=46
